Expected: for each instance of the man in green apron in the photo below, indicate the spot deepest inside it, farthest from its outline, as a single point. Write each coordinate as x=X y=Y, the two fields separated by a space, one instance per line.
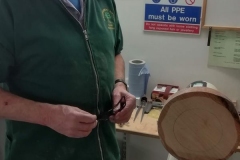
x=61 y=60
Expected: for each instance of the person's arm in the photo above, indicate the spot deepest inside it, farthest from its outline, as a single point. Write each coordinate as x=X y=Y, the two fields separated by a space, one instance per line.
x=119 y=70
x=17 y=108
x=67 y=120
x=121 y=90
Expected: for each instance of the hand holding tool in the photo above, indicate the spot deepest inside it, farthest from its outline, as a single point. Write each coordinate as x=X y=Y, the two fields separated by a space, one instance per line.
x=104 y=116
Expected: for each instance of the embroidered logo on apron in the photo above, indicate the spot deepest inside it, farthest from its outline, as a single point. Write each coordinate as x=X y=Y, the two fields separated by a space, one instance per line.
x=109 y=18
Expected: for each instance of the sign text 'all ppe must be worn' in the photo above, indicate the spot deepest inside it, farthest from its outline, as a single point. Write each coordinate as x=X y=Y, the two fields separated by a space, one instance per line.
x=176 y=16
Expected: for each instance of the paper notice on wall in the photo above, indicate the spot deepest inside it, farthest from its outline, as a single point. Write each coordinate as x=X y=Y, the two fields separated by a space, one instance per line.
x=224 y=50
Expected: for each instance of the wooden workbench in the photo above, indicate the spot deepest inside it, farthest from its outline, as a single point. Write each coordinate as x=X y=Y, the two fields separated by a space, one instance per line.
x=147 y=128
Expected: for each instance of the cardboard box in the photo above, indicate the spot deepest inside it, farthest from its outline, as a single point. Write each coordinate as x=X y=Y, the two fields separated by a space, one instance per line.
x=161 y=93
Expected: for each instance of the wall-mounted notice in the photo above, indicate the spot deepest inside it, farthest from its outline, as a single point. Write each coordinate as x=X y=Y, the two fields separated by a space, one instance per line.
x=225 y=49
x=176 y=16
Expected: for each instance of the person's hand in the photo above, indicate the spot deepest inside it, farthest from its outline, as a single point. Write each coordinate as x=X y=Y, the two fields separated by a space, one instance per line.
x=71 y=121
x=124 y=115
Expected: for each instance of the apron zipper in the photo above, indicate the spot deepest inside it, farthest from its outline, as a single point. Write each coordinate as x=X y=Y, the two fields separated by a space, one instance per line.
x=99 y=140
x=95 y=72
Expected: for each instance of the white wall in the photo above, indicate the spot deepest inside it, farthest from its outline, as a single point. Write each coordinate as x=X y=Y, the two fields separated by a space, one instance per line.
x=173 y=59
x=143 y=148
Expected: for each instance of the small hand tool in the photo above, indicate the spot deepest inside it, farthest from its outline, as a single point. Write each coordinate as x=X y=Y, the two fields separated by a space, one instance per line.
x=104 y=116
x=143 y=106
x=148 y=107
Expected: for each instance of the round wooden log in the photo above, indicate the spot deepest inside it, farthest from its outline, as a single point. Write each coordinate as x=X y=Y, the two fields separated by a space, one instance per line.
x=199 y=124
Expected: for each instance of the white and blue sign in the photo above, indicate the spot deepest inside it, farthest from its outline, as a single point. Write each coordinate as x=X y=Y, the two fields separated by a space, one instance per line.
x=170 y=13
x=180 y=16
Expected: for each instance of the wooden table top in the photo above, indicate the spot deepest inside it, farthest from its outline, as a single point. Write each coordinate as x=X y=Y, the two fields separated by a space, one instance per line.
x=147 y=128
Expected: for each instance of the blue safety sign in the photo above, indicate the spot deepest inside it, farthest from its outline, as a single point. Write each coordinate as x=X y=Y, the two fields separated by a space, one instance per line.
x=156 y=1
x=173 y=13
x=173 y=1
x=182 y=16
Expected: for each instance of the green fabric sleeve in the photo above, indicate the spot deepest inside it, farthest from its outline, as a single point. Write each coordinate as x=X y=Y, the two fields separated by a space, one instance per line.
x=6 y=41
